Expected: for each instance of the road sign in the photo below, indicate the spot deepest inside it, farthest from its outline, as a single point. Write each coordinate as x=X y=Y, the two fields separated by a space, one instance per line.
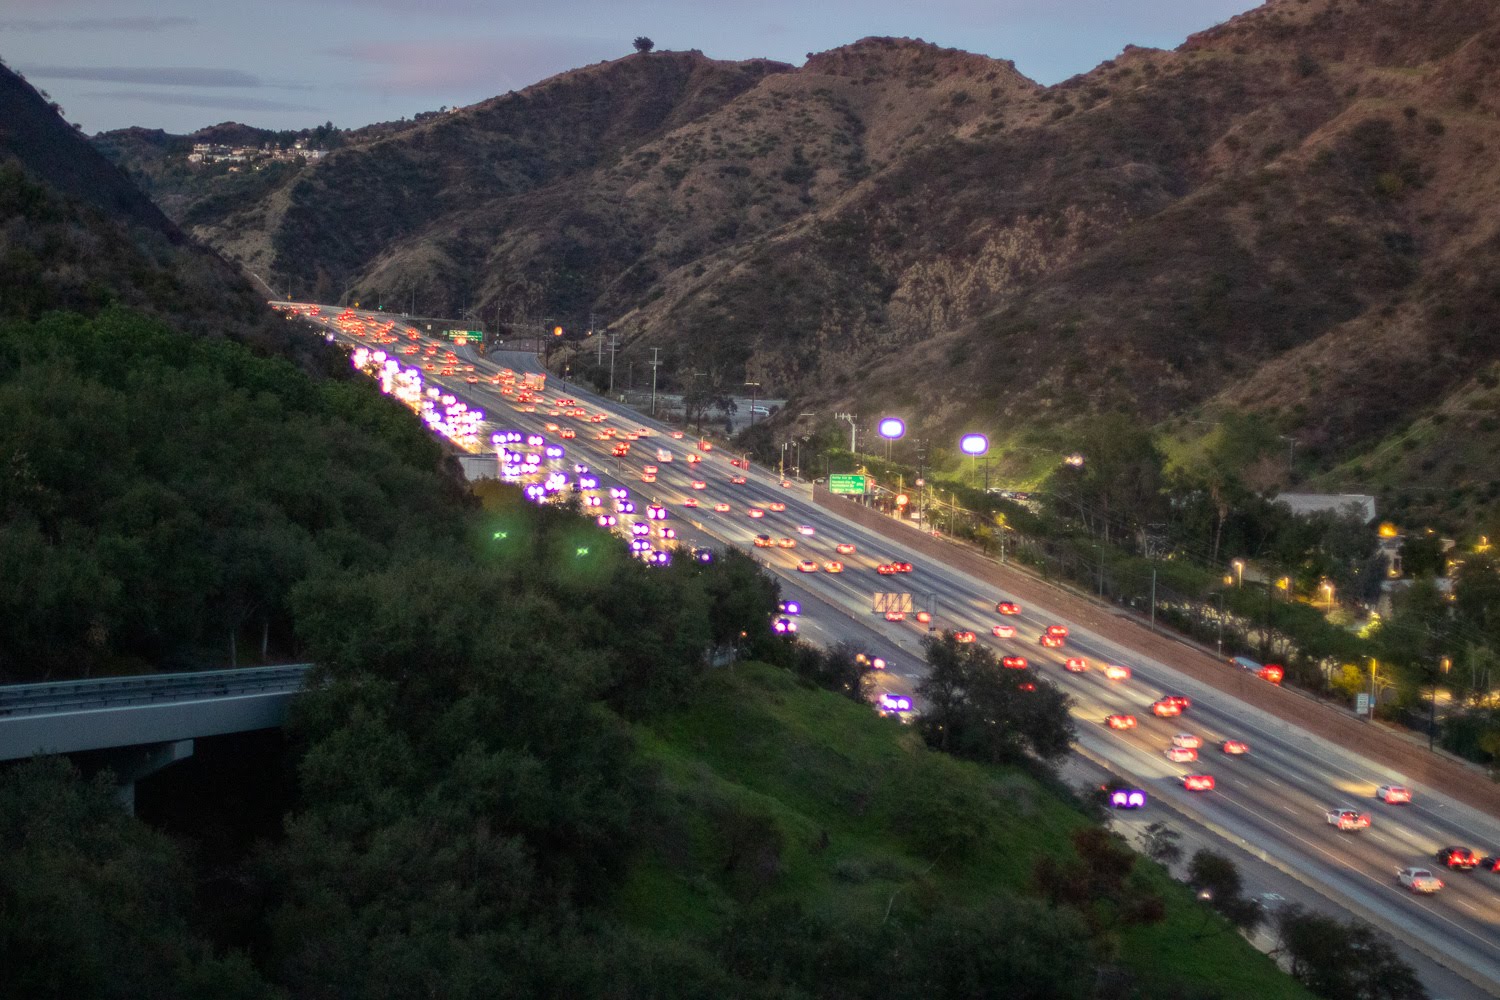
x=1361 y=704
x=465 y=336
x=848 y=484
x=881 y=603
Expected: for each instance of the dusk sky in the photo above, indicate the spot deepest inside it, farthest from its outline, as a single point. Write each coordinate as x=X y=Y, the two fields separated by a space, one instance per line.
x=183 y=64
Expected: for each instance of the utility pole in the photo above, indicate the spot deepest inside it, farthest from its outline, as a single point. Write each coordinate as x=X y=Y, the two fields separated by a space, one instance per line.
x=1153 y=600
x=754 y=392
x=853 y=429
x=614 y=342
x=594 y=331
x=654 y=362
x=921 y=483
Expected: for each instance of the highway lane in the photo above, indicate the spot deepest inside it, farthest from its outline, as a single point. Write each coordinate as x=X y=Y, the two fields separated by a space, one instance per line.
x=1271 y=802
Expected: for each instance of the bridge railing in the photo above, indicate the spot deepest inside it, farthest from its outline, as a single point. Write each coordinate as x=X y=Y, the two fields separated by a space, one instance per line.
x=116 y=692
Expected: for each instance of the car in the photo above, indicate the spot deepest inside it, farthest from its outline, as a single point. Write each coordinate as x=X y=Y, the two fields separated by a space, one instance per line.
x=1234 y=747
x=568 y=433
x=1393 y=794
x=885 y=569
x=902 y=567
x=756 y=512
x=737 y=481
x=776 y=505
x=1060 y=631
x=1075 y=665
x=784 y=626
x=833 y=566
x=1014 y=662
x=1003 y=631
x=699 y=484
x=694 y=459
x=895 y=616
x=1198 y=782
x=677 y=435
x=1180 y=755
x=644 y=432
x=866 y=660
x=1418 y=879
x=1164 y=709
x=789 y=607
x=705 y=446
x=690 y=502
x=1008 y=608
x=1126 y=798
x=763 y=542
x=807 y=566
x=1050 y=641
x=663 y=455
x=1462 y=858
x=1348 y=818
x=1115 y=672
x=842 y=548
x=786 y=543
x=648 y=477
x=786 y=484
x=1181 y=701
x=1120 y=721
x=924 y=617
x=1490 y=864
x=896 y=705
x=963 y=635
x=722 y=508
x=806 y=529
x=1188 y=740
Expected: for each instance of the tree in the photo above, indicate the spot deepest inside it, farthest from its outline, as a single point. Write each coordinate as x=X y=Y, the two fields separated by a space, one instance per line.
x=1218 y=881
x=983 y=711
x=1161 y=844
x=1348 y=961
x=1118 y=487
x=643 y=44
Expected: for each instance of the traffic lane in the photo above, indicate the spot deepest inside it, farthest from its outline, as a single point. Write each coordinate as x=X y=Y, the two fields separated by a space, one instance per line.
x=1300 y=849
x=1273 y=888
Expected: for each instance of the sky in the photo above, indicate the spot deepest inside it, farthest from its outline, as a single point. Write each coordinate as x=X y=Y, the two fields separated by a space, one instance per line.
x=287 y=64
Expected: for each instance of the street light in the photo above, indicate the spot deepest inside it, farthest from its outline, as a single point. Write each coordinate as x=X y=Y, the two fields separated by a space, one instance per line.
x=1239 y=572
x=975 y=445
x=892 y=429
x=1327 y=589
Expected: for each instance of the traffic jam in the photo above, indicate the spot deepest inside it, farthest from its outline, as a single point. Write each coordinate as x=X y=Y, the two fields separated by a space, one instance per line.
x=581 y=455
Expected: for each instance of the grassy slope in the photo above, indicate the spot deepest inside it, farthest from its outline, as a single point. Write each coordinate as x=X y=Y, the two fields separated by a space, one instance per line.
x=813 y=762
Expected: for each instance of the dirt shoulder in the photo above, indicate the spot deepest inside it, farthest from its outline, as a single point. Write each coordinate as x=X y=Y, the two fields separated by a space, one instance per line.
x=1333 y=723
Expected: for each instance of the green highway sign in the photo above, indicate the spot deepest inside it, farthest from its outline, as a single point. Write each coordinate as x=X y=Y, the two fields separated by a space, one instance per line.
x=847 y=484
x=465 y=336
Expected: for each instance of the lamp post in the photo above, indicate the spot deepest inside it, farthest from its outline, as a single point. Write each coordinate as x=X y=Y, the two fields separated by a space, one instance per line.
x=1327 y=588
x=892 y=429
x=974 y=445
x=1239 y=572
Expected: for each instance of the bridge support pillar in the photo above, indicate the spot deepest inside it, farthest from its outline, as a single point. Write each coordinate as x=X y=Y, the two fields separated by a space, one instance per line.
x=131 y=764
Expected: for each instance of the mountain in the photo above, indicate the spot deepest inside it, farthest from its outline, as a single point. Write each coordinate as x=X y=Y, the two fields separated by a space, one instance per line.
x=77 y=234
x=1291 y=214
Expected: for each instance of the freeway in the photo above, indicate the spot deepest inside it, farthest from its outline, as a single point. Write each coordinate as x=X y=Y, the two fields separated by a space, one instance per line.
x=1270 y=802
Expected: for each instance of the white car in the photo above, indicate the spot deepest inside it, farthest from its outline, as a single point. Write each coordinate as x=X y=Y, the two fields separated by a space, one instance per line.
x=1180 y=755
x=804 y=529
x=1348 y=818
x=1187 y=741
x=1418 y=879
x=1393 y=794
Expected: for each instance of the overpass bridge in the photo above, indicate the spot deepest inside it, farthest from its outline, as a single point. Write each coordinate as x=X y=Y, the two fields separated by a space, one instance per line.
x=141 y=724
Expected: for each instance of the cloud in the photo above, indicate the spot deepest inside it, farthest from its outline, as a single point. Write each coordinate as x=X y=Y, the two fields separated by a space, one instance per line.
x=441 y=67
x=97 y=24
x=165 y=76
x=225 y=102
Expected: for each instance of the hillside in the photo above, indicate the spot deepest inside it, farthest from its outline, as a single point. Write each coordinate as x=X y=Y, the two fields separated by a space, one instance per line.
x=1291 y=214
x=76 y=233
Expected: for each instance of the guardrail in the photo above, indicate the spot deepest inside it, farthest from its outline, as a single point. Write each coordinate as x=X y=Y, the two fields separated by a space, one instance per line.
x=56 y=697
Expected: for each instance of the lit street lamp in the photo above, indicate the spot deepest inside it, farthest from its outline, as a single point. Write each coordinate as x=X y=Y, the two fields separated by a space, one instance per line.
x=1239 y=572
x=892 y=429
x=975 y=445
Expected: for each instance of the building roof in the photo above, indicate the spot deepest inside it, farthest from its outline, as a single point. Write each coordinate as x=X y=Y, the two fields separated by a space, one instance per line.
x=1359 y=504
